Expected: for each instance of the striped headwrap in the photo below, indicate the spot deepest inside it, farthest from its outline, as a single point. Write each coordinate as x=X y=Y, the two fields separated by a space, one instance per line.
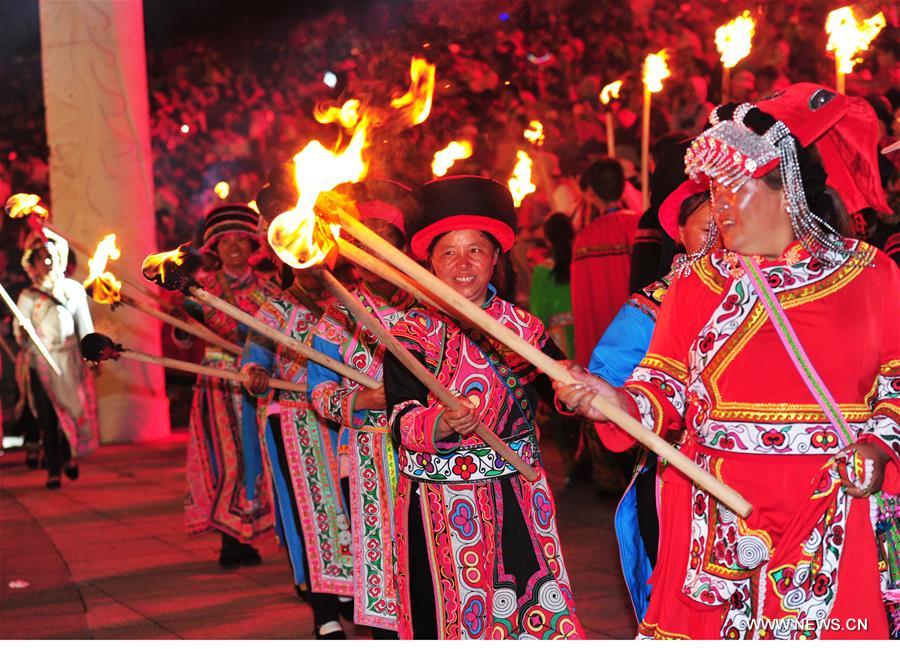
x=229 y=219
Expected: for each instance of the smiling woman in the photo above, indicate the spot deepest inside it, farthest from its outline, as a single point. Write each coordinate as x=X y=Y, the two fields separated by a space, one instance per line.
x=465 y=259
x=478 y=554
x=227 y=480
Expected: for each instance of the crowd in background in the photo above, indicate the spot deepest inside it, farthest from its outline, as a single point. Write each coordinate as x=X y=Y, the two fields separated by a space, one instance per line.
x=229 y=106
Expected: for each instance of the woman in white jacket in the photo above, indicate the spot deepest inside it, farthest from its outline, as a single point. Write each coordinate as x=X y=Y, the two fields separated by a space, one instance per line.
x=64 y=405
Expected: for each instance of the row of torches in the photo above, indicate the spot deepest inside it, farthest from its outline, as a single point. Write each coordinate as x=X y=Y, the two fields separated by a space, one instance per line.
x=303 y=239
x=304 y=236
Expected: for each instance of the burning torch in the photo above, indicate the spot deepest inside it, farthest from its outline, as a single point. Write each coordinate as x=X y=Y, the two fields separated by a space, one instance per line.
x=105 y=288
x=609 y=92
x=96 y=348
x=847 y=37
x=174 y=272
x=654 y=71
x=734 y=40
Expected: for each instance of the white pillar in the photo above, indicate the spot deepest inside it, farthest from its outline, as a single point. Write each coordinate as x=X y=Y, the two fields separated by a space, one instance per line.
x=101 y=181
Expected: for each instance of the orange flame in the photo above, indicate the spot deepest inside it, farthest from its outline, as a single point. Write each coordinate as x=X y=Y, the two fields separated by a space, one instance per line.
x=347 y=114
x=416 y=103
x=22 y=205
x=444 y=159
x=297 y=236
x=519 y=183
x=847 y=36
x=735 y=38
x=535 y=132
x=103 y=286
x=222 y=189
x=155 y=265
x=610 y=91
x=655 y=69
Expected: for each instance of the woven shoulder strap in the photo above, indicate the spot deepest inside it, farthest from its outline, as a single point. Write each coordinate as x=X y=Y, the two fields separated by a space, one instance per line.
x=795 y=350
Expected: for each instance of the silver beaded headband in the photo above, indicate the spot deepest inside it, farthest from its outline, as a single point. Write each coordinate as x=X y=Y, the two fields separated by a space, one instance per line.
x=731 y=153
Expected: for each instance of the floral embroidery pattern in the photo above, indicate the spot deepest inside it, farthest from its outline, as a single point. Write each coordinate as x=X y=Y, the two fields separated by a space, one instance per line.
x=466 y=464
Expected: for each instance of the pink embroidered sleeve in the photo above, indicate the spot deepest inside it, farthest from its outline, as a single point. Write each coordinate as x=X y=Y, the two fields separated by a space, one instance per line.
x=417 y=425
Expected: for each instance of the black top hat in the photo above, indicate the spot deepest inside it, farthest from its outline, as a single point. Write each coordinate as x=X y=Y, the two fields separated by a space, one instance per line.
x=464 y=203
x=388 y=200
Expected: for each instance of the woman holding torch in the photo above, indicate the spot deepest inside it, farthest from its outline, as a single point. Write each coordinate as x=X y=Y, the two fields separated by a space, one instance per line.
x=735 y=361
x=385 y=207
x=478 y=553
x=301 y=455
x=223 y=447
x=64 y=403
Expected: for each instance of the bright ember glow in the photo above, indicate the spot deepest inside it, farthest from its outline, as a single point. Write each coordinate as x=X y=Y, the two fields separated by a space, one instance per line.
x=299 y=238
x=222 y=189
x=519 y=183
x=535 y=132
x=847 y=36
x=154 y=266
x=101 y=283
x=655 y=70
x=446 y=157
x=734 y=39
x=416 y=103
x=185 y=129
x=610 y=91
x=347 y=114
x=21 y=205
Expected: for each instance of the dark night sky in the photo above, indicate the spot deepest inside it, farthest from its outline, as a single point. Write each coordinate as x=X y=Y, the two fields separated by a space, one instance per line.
x=166 y=19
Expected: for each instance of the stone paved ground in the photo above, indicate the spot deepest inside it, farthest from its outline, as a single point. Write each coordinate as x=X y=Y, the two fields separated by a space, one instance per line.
x=107 y=557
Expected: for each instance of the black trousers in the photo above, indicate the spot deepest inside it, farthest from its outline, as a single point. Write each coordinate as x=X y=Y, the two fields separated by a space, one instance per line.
x=648 y=519
x=56 y=447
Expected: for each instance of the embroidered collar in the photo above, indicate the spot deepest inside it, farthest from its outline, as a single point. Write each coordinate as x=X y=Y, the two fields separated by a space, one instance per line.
x=491 y=294
x=238 y=281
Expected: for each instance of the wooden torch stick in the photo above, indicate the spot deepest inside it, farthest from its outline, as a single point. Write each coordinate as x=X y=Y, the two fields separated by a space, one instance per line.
x=411 y=363
x=294 y=345
x=610 y=134
x=203 y=370
x=645 y=150
x=29 y=329
x=362 y=258
x=726 y=83
x=554 y=369
x=195 y=329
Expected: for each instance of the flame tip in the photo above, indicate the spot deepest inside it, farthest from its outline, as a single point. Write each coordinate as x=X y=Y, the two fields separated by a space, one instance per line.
x=655 y=69
x=444 y=159
x=848 y=36
x=734 y=39
x=519 y=183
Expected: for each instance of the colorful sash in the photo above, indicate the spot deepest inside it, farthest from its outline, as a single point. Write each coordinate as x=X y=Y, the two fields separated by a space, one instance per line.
x=508 y=377
x=467 y=464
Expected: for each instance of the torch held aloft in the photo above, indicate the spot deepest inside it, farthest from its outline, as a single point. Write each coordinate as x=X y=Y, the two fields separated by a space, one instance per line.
x=457 y=304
